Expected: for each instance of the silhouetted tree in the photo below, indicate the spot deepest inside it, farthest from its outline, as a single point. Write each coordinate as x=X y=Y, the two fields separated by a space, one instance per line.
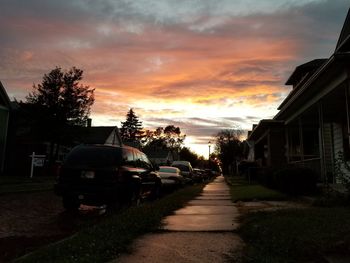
x=173 y=137
x=131 y=129
x=169 y=137
x=187 y=155
x=62 y=98
x=228 y=147
x=59 y=101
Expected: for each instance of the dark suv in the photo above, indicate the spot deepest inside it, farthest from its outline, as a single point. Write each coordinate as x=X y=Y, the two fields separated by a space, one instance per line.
x=101 y=174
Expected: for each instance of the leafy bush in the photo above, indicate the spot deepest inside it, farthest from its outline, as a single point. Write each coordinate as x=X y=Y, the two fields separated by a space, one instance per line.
x=342 y=171
x=295 y=180
x=248 y=169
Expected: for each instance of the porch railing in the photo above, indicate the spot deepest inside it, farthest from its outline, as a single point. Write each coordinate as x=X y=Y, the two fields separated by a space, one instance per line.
x=313 y=164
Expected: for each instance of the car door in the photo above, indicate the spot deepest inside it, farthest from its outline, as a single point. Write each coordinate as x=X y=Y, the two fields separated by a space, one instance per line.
x=148 y=176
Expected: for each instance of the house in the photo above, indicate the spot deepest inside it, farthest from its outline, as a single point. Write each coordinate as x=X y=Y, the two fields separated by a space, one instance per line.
x=313 y=123
x=161 y=156
x=97 y=135
x=5 y=107
x=26 y=139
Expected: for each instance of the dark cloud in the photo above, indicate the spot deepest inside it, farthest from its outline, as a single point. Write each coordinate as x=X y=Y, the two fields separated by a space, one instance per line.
x=215 y=53
x=199 y=128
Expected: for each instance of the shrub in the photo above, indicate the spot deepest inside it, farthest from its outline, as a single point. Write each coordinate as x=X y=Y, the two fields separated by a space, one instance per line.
x=247 y=169
x=295 y=180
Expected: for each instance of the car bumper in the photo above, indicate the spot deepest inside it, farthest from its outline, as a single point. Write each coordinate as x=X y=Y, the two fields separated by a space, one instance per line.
x=92 y=195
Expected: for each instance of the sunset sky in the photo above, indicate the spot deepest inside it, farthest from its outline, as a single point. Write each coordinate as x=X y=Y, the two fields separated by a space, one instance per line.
x=202 y=65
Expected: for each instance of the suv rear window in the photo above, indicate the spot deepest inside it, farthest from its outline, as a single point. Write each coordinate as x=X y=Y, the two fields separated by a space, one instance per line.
x=94 y=156
x=182 y=167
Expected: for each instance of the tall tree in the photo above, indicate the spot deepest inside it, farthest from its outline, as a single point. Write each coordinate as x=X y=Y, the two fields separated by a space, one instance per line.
x=228 y=147
x=62 y=98
x=169 y=137
x=131 y=129
x=58 y=101
x=173 y=137
x=187 y=155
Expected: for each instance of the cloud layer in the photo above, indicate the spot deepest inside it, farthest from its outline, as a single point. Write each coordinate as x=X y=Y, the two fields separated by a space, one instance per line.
x=203 y=65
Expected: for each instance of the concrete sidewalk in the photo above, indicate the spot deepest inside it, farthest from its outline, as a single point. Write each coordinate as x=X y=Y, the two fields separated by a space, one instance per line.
x=199 y=232
x=213 y=210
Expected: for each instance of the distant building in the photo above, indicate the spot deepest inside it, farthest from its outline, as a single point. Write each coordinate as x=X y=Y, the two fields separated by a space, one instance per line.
x=313 y=123
x=161 y=156
x=5 y=107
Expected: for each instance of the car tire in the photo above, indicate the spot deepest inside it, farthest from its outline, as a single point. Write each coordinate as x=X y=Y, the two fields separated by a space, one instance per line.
x=156 y=192
x=134 y=196
x=70 y=204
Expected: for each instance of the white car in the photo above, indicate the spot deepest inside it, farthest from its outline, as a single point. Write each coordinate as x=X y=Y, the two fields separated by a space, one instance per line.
x=170 y=176
x=186 y=169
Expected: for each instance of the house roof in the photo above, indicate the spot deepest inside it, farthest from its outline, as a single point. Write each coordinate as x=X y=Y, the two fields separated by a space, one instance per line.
x=325 y=70
x=4 y=99
x=343 y=43
x=95 y=135
x=262 y=127
x=304 y=71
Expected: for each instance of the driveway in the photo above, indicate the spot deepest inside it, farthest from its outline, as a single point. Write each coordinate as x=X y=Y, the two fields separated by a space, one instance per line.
x=31 y=220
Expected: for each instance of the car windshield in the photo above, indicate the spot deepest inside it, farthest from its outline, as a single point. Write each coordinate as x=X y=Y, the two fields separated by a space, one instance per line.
x=167 y=170
x=182 y=167
x=94 y=157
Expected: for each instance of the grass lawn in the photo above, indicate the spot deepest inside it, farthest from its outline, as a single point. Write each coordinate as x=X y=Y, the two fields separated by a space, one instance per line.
x=241 y=190
x=104 y=241
x=15 y=184
x=290 y=235
x=304 y=235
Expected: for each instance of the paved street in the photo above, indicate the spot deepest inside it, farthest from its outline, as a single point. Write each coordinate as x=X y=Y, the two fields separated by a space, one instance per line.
x=202 y=231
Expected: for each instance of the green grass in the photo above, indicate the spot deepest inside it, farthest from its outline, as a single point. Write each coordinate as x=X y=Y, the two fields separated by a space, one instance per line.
x=16 y=184
x=103 y=242
x=241 y=190
x=303 y=235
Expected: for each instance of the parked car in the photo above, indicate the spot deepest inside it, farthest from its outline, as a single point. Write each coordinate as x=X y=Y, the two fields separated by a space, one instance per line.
x=170 y=176
x=210 y=173
x=185 y=168
x=101 y=174
x=199 y=175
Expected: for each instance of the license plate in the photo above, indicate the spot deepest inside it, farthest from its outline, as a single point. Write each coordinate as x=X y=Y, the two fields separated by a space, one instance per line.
x=87 y=174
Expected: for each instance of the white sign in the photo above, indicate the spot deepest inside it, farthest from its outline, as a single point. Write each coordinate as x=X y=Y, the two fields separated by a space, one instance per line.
x=38 y=160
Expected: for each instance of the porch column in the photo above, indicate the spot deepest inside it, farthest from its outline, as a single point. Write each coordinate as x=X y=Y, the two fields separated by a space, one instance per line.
x=347 y=105
x=287 y=143
x=4 y=119
x=300 y=124
x=321 y=139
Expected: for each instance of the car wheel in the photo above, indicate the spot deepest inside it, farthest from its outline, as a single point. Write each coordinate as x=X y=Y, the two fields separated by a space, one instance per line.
x=70 y=204
x=135 y=196
x=156 y=192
